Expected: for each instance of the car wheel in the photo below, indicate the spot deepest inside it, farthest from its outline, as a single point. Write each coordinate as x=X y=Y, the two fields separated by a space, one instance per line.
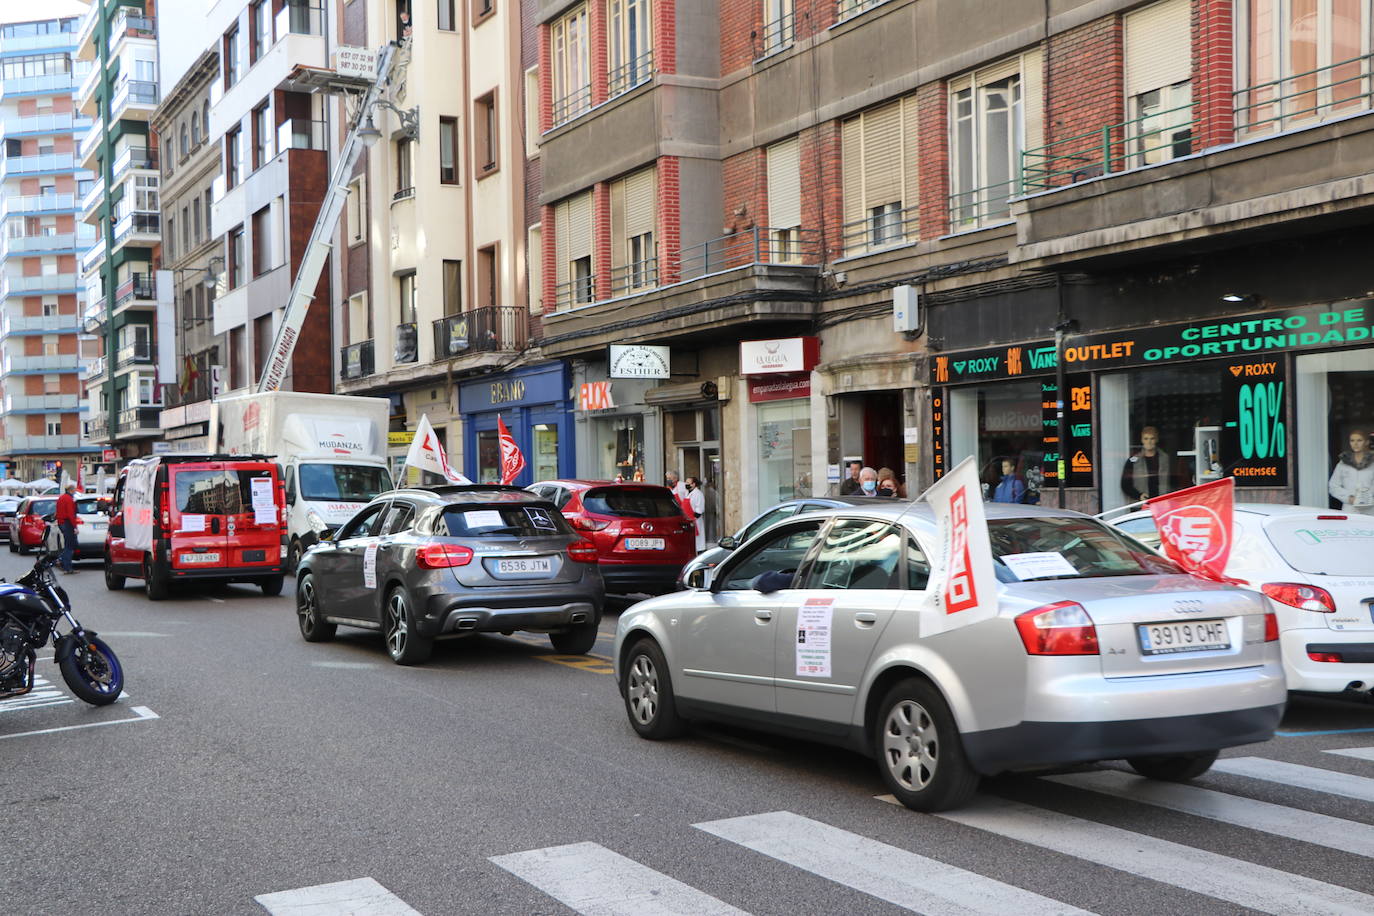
x=648 y=692
x=403 y=644
x=314 y=628
x=113 y=580
x=293 y=556
x=155 y=583
x=578 y=639
x=1173 y=769
x=271 y=586
x=919 y=751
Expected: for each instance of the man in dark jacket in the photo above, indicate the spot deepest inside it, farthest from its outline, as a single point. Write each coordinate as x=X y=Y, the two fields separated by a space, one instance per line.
x=66 y=520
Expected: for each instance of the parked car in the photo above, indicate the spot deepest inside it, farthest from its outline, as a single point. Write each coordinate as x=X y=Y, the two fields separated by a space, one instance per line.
x=191 y=517
x=1317 y=567
x=27 y=526
x=92 y=519
x=712 y=556
x=7 y=506
x=813 y=629
x=642 y=536
x=452 y=561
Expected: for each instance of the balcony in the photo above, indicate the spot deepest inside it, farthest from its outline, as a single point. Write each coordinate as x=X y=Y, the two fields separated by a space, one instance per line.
x=14 y=126
x=848 y=9
x=356 y=361
x=301 y=133
x=47 y=84
x=41 y=403
x=407 y=344
x=95 y=370
x=137 y=228
x=37 y=324
x=86 y=48
x=631 y=73
x=94 y=316
x=133 y=157
x=62 y=362
x=134 y=422
x=93 y=256
x=85 y=93
x=133 y=354
x=36 y=204
x=777 y=33
x=496 y=328
x=20 y=444
x=575 y=103
x=130 y=23
x=37 y=244
x=49 y=163
x=98 y=429
x=46 y=283
x=141 y=287
x=90 y=204
x=29 y=38
x=134 y=99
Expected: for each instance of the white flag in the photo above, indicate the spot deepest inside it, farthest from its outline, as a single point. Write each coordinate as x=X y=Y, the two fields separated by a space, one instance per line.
x=427 y=453
x=966 y=590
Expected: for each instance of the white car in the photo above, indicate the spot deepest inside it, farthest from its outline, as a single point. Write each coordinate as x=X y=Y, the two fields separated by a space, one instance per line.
x=1317 y=567
x=92 y=518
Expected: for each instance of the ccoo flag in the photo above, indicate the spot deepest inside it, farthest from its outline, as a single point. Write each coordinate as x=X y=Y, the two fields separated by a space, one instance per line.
x=512 y=461
x=427 y=453
x=968 y=583
x=1195 y=527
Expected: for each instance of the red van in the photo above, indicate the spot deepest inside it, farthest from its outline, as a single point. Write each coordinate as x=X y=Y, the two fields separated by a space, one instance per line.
x=216 y=517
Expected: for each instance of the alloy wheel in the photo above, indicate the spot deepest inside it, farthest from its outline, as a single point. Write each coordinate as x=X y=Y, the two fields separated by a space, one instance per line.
x=642 y=690
x=397 y=630
x=305 y=606
x=911 y=747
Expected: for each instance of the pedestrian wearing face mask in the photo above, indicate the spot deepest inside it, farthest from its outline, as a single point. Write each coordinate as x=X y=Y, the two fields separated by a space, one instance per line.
x=697 y=500
x=868 y=482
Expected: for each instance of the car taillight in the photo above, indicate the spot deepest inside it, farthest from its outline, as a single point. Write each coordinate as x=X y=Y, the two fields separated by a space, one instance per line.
x=440 y=556
x=1271 y=627
x=1062 y=628
x=583 y=551
x=1325 y=657
x=590 y=524
x=1303 y=597
x=162 y=501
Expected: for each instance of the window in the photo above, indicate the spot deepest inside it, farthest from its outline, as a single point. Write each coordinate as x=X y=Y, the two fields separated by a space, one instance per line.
x=235 y=264
x=365 y=524
x=54 y=424
x=446 y=20
x=784 y=201
x=448 y=150
x=481 y=10
x=405 y=183
x=263 y=338
x=407 y=299
x=453 y=288
x=236 y=347
x=230 y=54
x=195 y=128
x=262 y=241
x=262 y=136
x=488 y=135
x=195 y=218
x=209 y=199
x=407 y=340
x=572 y=82
x=185 y=146
x=634 y=265
x=782 y=551
x=185 y=230
x=260 y=23
x=532 y=112
x=878 y=149
x=777 y=25
x=857 y=554
x=232 y=152
x=583 y=280
x=357 y=210
x=170 y=240
x=52 y=384
x=1158 y=67
x=630 y=53
x=1161 y=123
x=488 y=278
x=987 y=136
x=205 y=117
x=573 y=246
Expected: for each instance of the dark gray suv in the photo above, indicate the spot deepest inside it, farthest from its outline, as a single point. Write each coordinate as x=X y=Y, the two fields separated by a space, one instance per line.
x=439 y=562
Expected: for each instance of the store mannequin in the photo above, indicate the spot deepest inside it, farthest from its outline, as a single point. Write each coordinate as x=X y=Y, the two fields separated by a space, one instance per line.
x=1352 y=480
x=1146 y=473
x=1011 y=487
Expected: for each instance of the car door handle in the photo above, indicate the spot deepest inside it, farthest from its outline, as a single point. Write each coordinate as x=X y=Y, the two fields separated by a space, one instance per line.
x=764 y=615
x=866 y=617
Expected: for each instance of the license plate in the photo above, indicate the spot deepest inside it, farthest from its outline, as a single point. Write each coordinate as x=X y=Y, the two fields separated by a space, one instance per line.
x=200 y=558
x=524 y=565
x=97 y=526
x=1176 y=638
x=644 y=543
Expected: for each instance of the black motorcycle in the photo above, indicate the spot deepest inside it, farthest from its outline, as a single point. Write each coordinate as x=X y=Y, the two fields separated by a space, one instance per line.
x=30 y=611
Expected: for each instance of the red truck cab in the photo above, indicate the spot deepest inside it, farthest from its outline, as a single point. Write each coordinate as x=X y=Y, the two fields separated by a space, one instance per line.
x=177 y=518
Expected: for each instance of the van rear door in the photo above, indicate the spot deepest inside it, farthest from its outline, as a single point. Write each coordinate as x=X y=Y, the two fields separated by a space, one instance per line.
x=257 y=516
x=196 y=503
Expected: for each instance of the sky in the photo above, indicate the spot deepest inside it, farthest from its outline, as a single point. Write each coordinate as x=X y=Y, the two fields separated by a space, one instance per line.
x=31 y=11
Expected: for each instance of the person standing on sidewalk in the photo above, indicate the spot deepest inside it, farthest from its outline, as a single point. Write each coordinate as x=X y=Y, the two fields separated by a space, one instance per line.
x=66 y=520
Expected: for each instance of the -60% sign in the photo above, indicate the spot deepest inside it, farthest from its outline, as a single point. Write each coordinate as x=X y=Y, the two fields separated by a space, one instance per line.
x=1262 y=430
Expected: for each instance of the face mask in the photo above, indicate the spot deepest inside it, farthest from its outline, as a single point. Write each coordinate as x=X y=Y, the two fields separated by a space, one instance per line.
x=869 y=485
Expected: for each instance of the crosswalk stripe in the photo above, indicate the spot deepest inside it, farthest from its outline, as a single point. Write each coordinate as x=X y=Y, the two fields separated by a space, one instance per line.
x=44 y=693
x=1360 y=753
x=1303 y=777
x=596 y=881
x=359 y=897
x=886 y=872
x=1279 y=820
x=1245 y=883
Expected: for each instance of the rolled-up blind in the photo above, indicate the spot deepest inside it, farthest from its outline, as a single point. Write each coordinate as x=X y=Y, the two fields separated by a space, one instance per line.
x=784 y=184
x=1158 y=46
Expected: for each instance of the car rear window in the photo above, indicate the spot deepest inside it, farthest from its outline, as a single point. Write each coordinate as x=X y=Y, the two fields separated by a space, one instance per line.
x=42 y=507
x=631 y=502
x=88 y=506
x=503 y=521
x=1053 y=547
x=216 y=492
x=1325 y=547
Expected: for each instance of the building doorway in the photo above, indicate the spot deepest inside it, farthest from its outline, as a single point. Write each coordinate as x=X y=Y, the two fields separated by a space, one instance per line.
x=694 y=451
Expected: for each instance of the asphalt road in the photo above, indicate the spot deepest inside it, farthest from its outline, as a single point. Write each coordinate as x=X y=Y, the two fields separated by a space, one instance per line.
x=503 y=779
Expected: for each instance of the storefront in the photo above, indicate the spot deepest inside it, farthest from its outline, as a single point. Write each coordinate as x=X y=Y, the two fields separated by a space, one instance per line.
x=535 y=406
x=1269 y=398
x=617 y=431
x=776 y=423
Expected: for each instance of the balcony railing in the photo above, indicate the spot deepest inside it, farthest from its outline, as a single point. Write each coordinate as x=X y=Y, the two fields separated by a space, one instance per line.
x=89 y=141
x=847 y=9
x=493 y=328
x=93 y=199
x=572 y=104
x=991 y=203
x=137 y=223
x=630 y=74
x=777 y=34
x=47 y=82
x=61 y=362
x=129 y=23
x=41 y=242
x=86 y=88
x=43 y=402
x=299 y=18
x=301 y=133
x=577 y=291
x=34 y=204
x=880 y=230
x=95 y=369
x=133 y=92
x=407 y=344
x=134 y=157
x=356 y=361
x=20 y=38
x=52 y=324
x=133 y=353
x=22 y=443
x=48 y=162
x=88 y=24
x=633 y=277
x=43 y=124
x=137 y=420
x=98 y=428
x=760 y=245
x=94 y=315
x=403 y=194
x=138 y=286
x=93 y=256
x=1154 y=138
x=45 y=283
x=1304 y=98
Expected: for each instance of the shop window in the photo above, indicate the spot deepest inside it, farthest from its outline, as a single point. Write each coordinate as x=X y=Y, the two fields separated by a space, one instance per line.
x=997 y=422
x=619 y=447
x=545 y=442
x=784 y=443
x=488 y=457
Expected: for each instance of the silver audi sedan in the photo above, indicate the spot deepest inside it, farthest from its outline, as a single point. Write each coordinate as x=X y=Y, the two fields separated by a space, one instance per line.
x=1099 y=649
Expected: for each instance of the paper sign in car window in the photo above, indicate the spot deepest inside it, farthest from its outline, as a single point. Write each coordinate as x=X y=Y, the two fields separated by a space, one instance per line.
x=262 y=492
x=540 y=518
x=1043 y=565
x=370 y=566
x=193 y=523
x=265 y=515
x=483 y=518
x=813 y=637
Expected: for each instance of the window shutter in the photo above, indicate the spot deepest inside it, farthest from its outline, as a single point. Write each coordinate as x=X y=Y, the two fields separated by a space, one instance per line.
x=580 y=226
x=910 y=163
x=882 y=155
x=851 y=159
x=784 y=184
x=561 y=230
x=1158 y=46
x=640 y=190
x=618 y=231
x=1032 y=100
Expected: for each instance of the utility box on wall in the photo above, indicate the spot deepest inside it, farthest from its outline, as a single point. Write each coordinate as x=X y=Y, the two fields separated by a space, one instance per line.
x=906 y=309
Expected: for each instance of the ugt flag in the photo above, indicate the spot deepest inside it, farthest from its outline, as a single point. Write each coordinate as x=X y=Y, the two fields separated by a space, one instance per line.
x=512 y=461
x=1195 y=527
x=427 y=453
x=967 y=592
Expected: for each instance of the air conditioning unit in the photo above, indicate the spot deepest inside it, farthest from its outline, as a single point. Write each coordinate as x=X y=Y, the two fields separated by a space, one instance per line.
x=906 y=309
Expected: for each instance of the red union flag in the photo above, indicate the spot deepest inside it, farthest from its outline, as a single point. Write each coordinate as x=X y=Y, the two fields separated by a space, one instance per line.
x=1195 y=527
x=967 y=584
x=512 y=461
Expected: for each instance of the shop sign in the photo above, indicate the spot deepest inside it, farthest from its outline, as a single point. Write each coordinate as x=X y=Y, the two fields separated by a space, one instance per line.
x=1069 y=454
x=937 y=435
x=1254 y=433
x=595 y=396
x=546 y=386
x=770 y=357
x=109 y=455
x=400 y=439
x=637 y=361
x=779 y=389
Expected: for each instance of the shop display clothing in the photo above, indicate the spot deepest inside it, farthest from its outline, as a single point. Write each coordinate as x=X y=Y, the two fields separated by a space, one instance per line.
x=1010 y=489
x=1352 y=482
x=1146 y=475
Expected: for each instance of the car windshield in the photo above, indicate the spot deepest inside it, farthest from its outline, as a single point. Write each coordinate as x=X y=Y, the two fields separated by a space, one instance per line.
x=342 y=482
x=1053 y=547
x=632 y=502
x=1332 y=546
x=503 y=521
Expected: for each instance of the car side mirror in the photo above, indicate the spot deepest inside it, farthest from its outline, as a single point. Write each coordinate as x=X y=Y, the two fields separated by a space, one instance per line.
x=699 y=579
x=290 y=499
x=772 y=581
x=729 y=542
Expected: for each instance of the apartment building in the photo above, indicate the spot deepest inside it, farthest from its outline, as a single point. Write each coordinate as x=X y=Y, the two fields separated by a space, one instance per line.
x=41 y=183
x=124 y=310
x=851 y=229
x=436 y=305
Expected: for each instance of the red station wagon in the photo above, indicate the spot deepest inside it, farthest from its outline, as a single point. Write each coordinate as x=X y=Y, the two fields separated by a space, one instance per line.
x=213 y=517
x=642 y=538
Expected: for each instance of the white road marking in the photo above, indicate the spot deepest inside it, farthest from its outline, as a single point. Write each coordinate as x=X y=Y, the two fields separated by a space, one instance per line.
x=1303 y=777
x=141 y=713
x=132 y=634
x=359 y=897
x=886 y=872
x=594 y=881
x=1360 y=753
x=1245 y=883
x=44 y=693
x=1279 y=820
x=214 y=599
x=344 y=664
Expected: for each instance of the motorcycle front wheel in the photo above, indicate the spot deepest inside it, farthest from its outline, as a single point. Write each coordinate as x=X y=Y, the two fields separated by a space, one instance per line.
x=93 y=673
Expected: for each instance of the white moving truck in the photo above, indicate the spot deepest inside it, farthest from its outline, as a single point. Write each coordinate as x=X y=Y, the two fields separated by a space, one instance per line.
x=331 y=447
